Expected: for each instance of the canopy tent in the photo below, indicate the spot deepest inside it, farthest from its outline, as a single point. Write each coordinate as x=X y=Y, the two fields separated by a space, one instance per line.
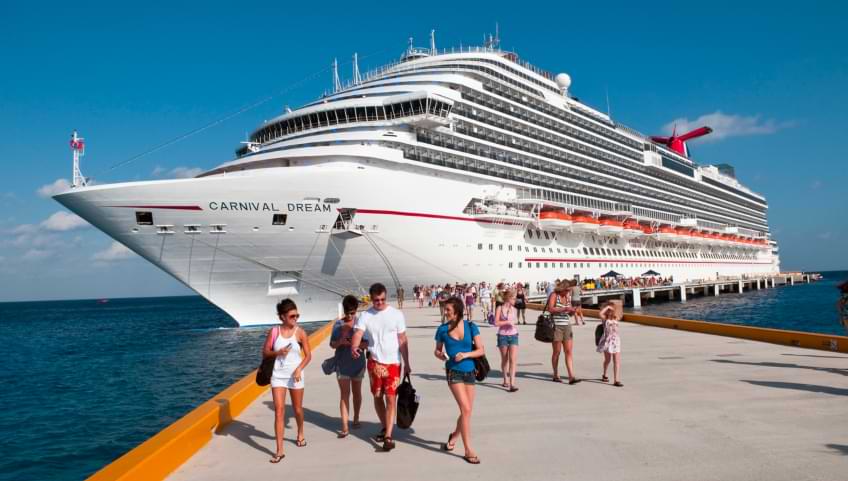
x=650 y=273
x=612 y=274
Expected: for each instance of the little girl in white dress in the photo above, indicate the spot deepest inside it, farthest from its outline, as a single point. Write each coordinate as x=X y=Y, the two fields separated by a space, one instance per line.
x=610 y=343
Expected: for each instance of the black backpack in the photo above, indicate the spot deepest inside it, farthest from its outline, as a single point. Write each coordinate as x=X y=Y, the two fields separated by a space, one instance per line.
x=407 y=404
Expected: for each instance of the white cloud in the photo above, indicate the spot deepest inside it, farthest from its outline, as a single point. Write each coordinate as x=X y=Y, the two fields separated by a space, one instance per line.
x=177 y=172
x=63 y=221
x=727 y=125
x=36 y=254
x=57 y=187
x=115 y=252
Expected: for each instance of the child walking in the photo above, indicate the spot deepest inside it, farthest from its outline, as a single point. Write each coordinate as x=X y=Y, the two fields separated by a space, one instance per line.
x=610 y=343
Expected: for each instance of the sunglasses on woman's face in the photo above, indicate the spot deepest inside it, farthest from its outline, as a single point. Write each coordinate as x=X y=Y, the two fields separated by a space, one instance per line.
x=293 y=316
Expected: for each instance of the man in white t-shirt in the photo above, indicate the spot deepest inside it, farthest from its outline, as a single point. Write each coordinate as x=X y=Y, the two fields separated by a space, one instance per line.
x=386 y=328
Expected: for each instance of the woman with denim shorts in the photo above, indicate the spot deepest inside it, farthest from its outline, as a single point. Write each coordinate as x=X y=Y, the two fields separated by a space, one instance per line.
x=349 y=371
x=505 y=321
x=458 y=342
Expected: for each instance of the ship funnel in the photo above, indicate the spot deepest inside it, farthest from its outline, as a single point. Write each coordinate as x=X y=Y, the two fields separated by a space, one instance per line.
x=677 y=143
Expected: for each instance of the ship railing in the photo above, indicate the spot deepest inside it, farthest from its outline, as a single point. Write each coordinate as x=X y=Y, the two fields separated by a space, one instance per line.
x=575 y=202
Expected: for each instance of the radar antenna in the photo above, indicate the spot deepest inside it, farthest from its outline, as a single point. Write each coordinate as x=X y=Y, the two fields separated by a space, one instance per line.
x=78 y=148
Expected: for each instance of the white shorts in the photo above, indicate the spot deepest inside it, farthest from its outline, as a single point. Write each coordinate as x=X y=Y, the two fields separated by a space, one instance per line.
x=287 y=382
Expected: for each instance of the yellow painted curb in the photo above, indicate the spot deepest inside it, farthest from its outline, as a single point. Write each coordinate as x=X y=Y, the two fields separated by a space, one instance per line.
x=160 y=455
x=808 y=340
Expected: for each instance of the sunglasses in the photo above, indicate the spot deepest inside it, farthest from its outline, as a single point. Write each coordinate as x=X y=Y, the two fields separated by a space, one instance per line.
x=293 y=316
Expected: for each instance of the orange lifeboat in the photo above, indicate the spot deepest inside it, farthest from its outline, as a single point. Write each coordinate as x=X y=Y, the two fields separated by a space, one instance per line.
x=631 y=230
x=611 y=227
x=584 y=224
x=554 y=220
x=683 y=234
x=665 y=233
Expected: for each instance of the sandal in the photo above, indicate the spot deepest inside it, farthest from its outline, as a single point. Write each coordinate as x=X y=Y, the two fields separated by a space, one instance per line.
x=557 y=379
x=574 y=380
x=447 y=446
x=618 y=384
x=277 y=458
x=604 y=379
x=381 y=436
x=471 y=459
x=388 y=444
x=301 y=443
x=513 y=389
x=505 y=385
x=342 y=434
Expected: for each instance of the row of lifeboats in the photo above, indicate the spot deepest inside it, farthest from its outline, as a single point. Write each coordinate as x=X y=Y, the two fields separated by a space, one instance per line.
x=581 y=223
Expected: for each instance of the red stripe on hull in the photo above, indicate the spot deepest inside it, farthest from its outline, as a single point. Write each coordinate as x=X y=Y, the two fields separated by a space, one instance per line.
x=640 y=261
x=429 y=216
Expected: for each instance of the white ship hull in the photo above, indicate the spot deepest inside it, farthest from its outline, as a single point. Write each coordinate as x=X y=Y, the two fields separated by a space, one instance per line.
x=414 y=220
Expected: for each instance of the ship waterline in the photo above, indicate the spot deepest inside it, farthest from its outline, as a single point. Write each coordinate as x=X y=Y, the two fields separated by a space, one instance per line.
x=417 y=178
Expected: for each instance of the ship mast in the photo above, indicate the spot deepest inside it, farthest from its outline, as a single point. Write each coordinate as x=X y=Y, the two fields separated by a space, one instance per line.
x=78 y=148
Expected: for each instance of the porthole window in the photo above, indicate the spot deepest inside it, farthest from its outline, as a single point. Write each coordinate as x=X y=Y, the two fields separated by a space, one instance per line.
x=279 y=219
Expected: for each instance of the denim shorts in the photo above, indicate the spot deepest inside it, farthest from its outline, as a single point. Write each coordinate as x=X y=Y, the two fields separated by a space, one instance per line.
x=506 y=341
x=460 y=377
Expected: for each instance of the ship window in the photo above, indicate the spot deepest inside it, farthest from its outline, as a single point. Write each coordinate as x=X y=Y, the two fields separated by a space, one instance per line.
x=500 y=247
x=279 y=219
x=510 y=265
x=546 y=265
x=491 y=246
x=510 y=247
x=479 y=247
x=546 y=235
x=537 y=265
x=560 y=265
x=144 y=218
x=519 y=265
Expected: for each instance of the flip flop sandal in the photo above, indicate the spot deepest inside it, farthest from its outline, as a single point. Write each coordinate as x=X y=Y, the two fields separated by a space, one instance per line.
x=342 y=434
x=556 y=379
x=388 y=444
x=381 y=436
x=618 y=384
x=505 y=385
x=574 y=381
x=447 y=446
x=301 y=443
x=513 y=389
x=604 y=379
x=276 y=458
x=471 y=459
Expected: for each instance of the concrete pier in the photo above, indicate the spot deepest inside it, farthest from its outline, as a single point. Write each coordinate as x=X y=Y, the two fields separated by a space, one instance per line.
x=694 y=406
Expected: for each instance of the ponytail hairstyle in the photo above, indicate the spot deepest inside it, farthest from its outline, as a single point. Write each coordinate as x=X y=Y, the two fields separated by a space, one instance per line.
x=458 y=310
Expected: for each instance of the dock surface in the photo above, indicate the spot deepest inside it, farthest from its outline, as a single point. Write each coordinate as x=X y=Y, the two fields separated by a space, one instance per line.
x=693 y=406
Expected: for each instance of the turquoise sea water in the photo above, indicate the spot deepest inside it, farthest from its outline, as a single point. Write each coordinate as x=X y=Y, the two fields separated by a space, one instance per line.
x=83 y=383
x=802 y=307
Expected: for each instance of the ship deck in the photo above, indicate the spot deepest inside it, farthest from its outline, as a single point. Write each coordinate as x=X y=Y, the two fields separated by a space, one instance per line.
x=693 y=406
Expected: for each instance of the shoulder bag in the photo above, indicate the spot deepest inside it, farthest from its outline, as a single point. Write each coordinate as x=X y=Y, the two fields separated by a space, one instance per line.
x=545 y=325
x=481 y=364
x=266 y=367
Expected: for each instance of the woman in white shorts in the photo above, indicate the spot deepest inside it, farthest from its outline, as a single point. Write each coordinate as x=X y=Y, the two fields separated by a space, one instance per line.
x=285 y=343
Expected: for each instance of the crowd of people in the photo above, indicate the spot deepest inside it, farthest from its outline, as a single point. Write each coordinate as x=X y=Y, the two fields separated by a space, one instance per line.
x=620 y=282
x=374 y=340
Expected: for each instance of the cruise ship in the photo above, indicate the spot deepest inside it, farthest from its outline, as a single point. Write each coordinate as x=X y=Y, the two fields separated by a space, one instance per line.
x=457 y=165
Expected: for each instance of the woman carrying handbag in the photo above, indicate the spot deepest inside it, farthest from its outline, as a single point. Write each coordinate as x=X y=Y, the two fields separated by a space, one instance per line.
x=458 y=343
x=559 y=305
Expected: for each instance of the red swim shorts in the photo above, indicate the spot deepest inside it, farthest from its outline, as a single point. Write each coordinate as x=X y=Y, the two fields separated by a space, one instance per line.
x=385 y=378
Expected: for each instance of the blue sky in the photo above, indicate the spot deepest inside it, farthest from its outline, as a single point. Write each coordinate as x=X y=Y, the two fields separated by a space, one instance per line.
x=771 y=77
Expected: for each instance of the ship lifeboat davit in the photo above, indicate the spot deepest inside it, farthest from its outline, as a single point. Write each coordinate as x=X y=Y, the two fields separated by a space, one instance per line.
x=584 y=224
x=631 y=230
x=554 y=220
x=665 y=233
x=610 y=227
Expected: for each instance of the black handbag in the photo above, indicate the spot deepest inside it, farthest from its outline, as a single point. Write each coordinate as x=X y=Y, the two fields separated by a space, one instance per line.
x=266 y=367
x=599 y=333
x=544 y=326
x=407 y=403
x=481 y=367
